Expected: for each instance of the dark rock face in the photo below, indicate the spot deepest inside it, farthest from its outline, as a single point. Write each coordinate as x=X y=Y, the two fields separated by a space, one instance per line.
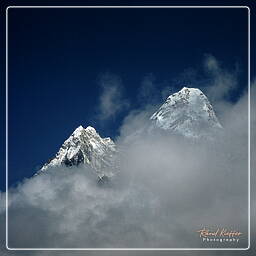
x=103 y=180
x=76 y=160
x=86 y=146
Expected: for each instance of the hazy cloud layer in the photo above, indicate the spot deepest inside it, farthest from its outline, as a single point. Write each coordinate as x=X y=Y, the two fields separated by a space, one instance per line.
x=112 y=100
x=167 y=189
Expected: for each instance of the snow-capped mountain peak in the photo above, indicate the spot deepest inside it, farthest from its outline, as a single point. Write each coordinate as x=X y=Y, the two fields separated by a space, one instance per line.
x=90 y=129
x=78 y=131
x=187 y=112
x=85 y=146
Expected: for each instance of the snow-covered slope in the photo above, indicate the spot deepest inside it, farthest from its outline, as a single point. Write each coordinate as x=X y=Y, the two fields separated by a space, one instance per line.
x=187 y=112
x=85 y=146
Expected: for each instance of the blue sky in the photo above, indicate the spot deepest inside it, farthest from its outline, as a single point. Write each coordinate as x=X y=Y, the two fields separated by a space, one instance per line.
x=61 y=62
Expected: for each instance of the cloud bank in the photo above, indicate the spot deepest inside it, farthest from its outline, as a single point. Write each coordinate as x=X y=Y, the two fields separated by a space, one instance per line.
x=167 y=188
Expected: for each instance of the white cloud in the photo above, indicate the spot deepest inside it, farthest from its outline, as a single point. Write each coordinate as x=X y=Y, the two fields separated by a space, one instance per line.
x=147 y=91
x=112 y=100
x=221 y=82
x=152 y=92
x=167 y=188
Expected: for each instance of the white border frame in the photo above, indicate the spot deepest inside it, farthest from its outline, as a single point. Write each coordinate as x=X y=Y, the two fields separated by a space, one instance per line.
x=130 y=249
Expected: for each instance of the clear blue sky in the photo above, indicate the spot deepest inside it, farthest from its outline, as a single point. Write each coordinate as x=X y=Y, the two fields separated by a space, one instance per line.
x=57 y=55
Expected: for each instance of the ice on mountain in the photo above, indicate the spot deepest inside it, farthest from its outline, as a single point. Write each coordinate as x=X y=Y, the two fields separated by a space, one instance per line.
x=85 y=146
x=187 y=112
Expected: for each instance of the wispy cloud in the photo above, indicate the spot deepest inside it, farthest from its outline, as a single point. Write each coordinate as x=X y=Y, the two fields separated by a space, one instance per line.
x=216 y=81
x=221 y=82
x=147 y=92
x=112 y=100
x=152 y=92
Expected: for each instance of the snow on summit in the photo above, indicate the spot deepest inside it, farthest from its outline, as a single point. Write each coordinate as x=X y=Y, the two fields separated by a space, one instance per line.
x=187 y=112
x=85 y=146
